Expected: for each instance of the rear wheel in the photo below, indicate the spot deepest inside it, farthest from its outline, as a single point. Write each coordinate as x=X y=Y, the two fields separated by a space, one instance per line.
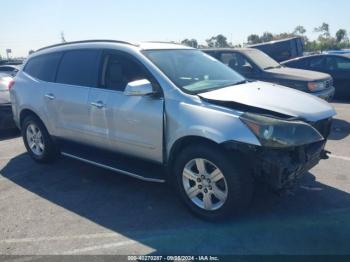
x=37 y=140
x=211 y=184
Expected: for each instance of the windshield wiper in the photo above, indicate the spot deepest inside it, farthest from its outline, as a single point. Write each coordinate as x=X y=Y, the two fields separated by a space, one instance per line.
x=272 y=67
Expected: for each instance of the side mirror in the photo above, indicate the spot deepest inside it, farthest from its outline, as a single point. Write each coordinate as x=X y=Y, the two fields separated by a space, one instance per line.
x=139 y=88
x=247 y=69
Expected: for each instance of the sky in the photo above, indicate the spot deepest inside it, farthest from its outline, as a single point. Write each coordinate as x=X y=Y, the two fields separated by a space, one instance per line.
x=32 y=24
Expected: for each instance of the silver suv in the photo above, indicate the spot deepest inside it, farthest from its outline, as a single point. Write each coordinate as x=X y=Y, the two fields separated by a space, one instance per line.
x=164 y=112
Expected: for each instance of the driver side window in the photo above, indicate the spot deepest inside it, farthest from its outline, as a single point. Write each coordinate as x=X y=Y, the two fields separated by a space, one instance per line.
x=235 y=61
x=118 y=70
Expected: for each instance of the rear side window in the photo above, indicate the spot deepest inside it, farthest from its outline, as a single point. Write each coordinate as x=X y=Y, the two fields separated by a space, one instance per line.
x=342 y=63
x=43 y=67
x=79 y=67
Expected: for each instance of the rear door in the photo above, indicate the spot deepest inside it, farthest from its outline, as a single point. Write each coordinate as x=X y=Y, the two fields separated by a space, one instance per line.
x=126 y=124
x=66 y=100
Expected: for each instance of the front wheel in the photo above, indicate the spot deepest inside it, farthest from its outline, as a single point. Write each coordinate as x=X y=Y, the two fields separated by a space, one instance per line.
x=211 y=184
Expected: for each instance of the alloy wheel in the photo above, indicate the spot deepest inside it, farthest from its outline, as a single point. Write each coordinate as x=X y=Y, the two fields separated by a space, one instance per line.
x=35 y=140
x=204 y=184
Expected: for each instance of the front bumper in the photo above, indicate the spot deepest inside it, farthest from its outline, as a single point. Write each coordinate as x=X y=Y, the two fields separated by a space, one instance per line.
x=282 y=168
x=279 y=168
x=6 y=117
x=326 y=94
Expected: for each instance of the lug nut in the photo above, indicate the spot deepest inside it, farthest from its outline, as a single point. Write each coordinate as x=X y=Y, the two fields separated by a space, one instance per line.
x=200 y=187
x=199 y=180
x=205 y=190
x=210 y=188
x=208 y=180
x=203 y=177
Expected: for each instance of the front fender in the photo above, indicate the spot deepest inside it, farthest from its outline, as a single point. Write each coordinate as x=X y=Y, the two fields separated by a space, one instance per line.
x=204 y=120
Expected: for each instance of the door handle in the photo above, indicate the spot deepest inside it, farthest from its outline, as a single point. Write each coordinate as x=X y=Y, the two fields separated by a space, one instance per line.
x=50 y=96
x=98 y=104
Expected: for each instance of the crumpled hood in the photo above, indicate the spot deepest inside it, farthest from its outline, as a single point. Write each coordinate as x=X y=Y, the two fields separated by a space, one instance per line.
x=287 y=73
x=276 y=98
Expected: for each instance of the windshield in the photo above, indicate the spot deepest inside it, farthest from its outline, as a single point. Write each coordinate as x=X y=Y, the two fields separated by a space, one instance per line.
x=262 y=60
x=193 y=71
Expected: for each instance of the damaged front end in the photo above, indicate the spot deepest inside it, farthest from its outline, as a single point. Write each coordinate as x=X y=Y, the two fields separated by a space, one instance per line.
x=280 y=168
x=277 y=162
x=292 y=132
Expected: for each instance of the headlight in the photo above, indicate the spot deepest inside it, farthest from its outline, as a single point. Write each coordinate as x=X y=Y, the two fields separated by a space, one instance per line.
x=316 y=86
x=277 y=133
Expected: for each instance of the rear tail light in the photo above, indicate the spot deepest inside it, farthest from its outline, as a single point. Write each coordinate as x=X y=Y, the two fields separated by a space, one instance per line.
x=11 y=84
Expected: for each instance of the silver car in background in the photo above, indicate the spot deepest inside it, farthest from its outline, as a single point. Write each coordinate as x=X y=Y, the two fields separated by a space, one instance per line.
x=6 y=117
x=164 y=112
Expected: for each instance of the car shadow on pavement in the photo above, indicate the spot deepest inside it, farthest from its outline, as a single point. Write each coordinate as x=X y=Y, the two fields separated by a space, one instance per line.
x=152 y=214
x=340 y=129
x=9 y=134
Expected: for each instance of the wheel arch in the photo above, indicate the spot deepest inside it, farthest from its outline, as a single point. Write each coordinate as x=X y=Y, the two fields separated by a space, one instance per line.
x=231 y=147
x=28 y=112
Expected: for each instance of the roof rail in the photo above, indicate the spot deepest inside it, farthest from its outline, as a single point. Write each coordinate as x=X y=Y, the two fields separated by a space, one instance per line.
x=84 y=41
x=162 y=42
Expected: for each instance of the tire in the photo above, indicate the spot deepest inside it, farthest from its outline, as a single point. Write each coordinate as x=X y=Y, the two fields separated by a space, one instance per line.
x=40 y=147
x=228 y=195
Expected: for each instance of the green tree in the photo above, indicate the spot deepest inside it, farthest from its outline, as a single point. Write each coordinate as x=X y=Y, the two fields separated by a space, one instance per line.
x=217 y=41
x=299 y=30
x=190 y=42
x=340 y=35
x=324 y=30
x=266 y=37
x=283 y=36
x=253 y=39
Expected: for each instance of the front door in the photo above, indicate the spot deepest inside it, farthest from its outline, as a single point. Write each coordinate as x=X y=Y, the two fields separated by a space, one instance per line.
x=126 y=124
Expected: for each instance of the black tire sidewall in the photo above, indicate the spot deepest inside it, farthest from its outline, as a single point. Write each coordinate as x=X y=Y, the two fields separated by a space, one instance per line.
x=49 y=151
x=239 y=181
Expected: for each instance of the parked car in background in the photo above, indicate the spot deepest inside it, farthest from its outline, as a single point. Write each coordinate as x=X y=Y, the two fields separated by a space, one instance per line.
x=9 y=69
x=11 y=62
x=256 y=65
x=282 y=50
x=338 y=66
x=157 y=112
x=337 y=52
x=6 y=116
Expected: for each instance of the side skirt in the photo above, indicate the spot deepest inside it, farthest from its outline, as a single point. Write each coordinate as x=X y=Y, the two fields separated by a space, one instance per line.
x=119 y=163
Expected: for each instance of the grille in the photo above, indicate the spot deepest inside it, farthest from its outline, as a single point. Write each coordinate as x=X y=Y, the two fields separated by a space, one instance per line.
x=323 y=126
x=328 y=83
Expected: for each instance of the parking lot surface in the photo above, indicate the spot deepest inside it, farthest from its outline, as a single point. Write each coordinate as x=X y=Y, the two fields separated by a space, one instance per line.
x=75 y=208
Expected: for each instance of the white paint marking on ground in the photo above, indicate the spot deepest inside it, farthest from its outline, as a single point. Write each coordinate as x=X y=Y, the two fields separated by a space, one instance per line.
x=340 y=157
x=99 y=247
x=40 y=239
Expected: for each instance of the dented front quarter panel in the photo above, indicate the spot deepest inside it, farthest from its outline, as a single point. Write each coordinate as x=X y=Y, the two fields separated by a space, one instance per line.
x=195 y=117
